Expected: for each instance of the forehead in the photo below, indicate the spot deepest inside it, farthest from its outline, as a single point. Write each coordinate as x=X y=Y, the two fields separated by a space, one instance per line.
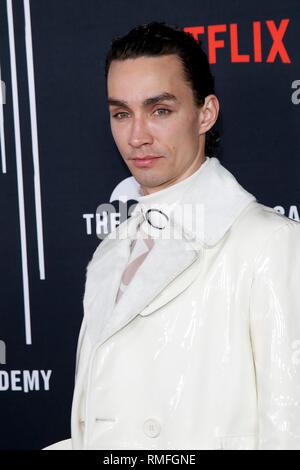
x=134 y=79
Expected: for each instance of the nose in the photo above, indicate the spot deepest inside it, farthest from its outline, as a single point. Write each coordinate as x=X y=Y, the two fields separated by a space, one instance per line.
x=139 y=133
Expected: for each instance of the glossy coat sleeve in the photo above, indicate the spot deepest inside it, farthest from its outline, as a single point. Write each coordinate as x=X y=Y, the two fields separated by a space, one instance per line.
x=275 y=337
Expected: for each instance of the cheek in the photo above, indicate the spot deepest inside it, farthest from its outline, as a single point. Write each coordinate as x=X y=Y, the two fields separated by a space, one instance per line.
x=168 y=132
x=176 y=135
x=118 y=135
x=189 y=134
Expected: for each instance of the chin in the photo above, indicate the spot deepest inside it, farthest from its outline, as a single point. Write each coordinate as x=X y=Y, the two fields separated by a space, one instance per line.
x=150 y=182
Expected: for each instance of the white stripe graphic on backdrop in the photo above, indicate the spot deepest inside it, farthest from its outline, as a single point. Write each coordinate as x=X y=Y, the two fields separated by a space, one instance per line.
x=34 y=137
x=2 y=136
x=14 y=84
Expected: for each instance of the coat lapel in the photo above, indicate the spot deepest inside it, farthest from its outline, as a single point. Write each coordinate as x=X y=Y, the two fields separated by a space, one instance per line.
x=102 y=282
x=169 y=261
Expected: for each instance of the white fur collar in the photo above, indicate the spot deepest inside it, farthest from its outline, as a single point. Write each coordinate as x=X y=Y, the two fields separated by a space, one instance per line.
x=213 y=191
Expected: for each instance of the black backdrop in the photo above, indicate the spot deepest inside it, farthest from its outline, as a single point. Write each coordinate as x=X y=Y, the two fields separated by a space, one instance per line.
x=70 y=160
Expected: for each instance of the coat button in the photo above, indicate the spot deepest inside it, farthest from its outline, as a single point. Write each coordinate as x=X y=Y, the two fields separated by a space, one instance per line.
x=152 y=427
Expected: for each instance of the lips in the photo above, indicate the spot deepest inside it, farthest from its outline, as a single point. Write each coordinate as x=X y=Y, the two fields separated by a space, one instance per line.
x=145 y=161
x=146 y=157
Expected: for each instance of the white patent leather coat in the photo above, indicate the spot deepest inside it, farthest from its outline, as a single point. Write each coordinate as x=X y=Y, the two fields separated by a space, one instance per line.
x=203 y=349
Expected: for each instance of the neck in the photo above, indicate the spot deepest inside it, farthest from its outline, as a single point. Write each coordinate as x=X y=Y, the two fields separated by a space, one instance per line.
x=172 y=192
x=192 y=169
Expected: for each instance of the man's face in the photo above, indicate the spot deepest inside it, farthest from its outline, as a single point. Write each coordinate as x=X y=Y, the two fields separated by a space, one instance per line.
x=153 y=114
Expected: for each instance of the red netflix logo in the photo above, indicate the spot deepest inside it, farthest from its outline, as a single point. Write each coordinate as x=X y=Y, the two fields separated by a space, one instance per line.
x=215 y=41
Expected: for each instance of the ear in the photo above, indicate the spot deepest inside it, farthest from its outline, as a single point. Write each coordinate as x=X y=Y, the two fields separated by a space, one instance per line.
x=208 y=113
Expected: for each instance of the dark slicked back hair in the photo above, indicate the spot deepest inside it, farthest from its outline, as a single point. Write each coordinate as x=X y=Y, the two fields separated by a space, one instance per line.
x=158 y=39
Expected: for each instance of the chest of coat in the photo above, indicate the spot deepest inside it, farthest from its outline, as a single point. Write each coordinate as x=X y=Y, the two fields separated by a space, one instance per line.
x=207 y=323
x=188 y=358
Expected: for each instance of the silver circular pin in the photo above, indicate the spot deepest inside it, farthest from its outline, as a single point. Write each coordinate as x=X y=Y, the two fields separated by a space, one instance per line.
x=160 y=212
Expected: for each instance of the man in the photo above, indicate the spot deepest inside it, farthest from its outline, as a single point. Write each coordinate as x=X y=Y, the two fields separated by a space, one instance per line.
x=189 y=340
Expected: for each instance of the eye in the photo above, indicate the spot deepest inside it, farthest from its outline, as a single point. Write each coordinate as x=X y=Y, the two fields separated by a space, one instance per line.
x=120 y=115
x=162 y=112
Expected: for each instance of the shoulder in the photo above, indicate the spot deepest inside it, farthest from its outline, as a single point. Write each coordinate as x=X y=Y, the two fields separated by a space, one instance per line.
x=259 y=227
x=261 y=221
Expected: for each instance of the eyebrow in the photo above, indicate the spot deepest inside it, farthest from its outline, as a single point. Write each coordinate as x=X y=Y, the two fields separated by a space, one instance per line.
x=148 y=101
